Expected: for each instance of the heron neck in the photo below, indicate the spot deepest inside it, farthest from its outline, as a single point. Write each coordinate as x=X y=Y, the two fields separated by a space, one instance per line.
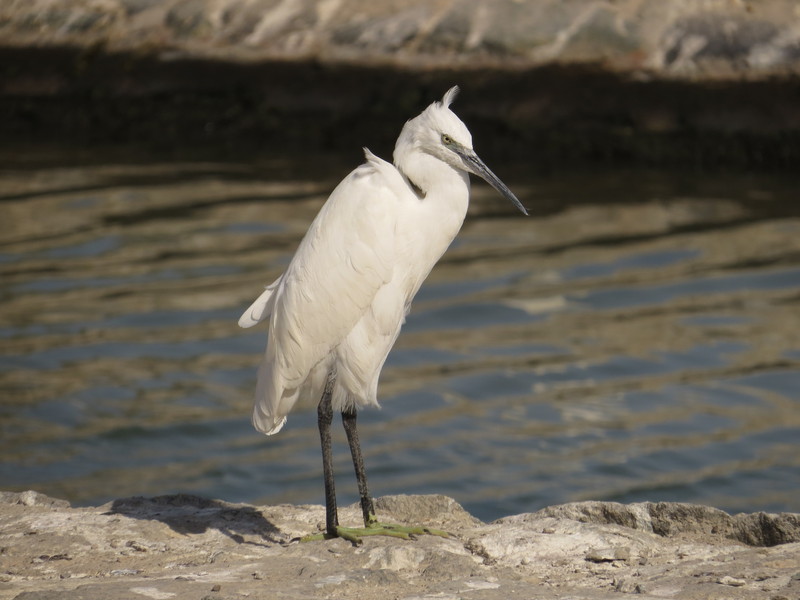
x=429 y=175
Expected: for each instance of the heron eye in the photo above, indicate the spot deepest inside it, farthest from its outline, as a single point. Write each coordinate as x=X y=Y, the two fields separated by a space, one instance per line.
x=446 y=139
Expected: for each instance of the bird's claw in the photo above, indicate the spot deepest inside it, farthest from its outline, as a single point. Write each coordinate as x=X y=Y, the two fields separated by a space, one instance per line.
x=407 y=531
x=354 y=534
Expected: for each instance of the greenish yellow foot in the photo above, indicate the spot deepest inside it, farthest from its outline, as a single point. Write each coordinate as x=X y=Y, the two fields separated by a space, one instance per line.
x=354 y=534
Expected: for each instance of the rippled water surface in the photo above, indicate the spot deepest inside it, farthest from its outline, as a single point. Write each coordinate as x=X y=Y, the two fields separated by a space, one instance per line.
x=636 y=338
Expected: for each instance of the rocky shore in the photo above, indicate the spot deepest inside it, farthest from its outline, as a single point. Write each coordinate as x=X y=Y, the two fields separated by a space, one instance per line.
x=186 y=547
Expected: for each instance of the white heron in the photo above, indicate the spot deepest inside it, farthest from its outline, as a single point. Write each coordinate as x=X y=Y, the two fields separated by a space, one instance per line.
x=337 y=310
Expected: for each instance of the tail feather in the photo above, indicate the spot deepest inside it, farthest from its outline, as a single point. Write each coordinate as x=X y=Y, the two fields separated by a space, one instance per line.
x=265 y=424
x=265 y=412
x=261 y=308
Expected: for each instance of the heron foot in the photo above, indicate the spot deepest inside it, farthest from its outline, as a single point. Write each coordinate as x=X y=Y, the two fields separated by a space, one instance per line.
x=354 y=534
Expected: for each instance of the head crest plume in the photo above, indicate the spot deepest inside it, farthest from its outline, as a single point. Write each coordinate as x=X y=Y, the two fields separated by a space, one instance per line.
x=449 y=96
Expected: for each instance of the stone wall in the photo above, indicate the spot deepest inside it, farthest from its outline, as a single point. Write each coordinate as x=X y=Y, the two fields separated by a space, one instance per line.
x=692 y=39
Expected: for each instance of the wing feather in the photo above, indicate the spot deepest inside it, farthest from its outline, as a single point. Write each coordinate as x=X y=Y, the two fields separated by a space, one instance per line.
x=345 y=258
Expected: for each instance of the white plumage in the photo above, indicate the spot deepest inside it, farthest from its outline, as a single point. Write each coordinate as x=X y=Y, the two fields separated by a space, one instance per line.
x=338 y=308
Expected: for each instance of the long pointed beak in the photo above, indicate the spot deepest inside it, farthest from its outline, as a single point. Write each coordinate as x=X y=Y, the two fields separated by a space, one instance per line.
x=476 y=166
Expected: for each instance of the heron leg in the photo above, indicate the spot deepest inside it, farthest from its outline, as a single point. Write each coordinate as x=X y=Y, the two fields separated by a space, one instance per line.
x=367 y=508
x=324 y=420
x=372 y=526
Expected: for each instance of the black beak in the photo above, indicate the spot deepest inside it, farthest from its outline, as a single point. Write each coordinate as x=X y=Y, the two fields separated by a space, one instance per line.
x=476 y=166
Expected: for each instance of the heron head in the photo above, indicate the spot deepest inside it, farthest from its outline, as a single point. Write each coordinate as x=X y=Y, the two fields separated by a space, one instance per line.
x=437 y=131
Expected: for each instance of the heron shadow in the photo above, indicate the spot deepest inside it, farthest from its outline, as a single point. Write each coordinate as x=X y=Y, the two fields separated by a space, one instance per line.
x=188 y=514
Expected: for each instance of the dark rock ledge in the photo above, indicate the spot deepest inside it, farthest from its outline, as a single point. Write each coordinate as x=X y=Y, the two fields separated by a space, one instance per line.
x=184 y=547
x=545 y=81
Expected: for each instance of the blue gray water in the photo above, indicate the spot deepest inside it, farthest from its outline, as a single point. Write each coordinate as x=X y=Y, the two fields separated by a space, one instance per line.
x=636 y=338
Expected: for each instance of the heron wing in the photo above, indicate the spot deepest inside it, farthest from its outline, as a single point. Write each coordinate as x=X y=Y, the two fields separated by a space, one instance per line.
x=346 y=256
x=361 y=356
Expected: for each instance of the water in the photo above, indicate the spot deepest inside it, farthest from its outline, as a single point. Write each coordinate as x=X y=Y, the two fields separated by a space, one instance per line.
x=637 y=338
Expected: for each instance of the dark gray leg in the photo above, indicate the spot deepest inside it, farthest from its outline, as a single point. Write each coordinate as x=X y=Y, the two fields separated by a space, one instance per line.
x=371 y=525
x=349 y=422
x=324 y=419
